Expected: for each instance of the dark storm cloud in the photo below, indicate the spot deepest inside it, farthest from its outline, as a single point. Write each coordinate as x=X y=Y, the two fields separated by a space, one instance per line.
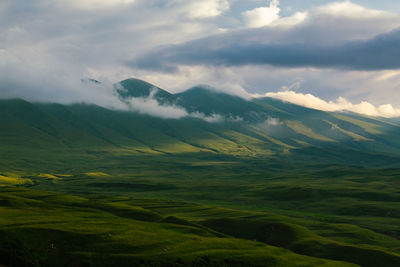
x=379 y=53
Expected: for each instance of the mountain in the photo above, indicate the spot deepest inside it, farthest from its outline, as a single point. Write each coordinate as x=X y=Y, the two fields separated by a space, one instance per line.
x=209 y=101
x=138 y=88
x=339 y=128
x=281 y=125
x=393 y=120
x=251 y=128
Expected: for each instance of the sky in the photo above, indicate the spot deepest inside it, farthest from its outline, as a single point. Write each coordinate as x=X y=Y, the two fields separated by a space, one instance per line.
x=330 y=55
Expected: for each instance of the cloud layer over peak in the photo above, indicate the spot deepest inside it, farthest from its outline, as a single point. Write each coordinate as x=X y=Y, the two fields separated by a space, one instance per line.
x=341 y=104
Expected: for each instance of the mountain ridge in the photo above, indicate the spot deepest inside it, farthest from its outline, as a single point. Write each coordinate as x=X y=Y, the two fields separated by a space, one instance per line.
x=257 y=128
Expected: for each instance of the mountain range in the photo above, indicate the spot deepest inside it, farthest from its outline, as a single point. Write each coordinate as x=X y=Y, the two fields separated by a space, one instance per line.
x=216 y=122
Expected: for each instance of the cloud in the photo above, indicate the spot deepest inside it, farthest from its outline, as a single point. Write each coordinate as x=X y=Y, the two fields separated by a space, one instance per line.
x=47 y=47
x=213 y=118
x=270 y=16
x=149 y=105
x=291 y=21
x=341 y=104
x=205 y=8
x=348 y=9
x=376 y=87
x=262 y=16
x=35 y=80
x=94 y=4
x=378 y=53
x=272 y=122
x=340 y=35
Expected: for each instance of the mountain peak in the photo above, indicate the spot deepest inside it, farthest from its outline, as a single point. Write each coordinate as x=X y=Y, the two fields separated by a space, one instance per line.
x=138 y=88
x=206 y=90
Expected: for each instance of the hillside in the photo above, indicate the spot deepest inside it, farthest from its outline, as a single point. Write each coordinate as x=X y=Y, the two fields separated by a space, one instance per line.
x=258 y=127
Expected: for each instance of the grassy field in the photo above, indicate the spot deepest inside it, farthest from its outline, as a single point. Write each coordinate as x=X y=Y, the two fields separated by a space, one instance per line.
x=45 y=228
x=197 y=209
x=40 y=228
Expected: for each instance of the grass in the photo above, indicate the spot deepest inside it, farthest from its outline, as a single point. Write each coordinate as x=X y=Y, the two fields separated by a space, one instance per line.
x=45 y=228
x=367 y=126
x=341 y=213
x=97 y=174
x=13 y=179
x=304 y=130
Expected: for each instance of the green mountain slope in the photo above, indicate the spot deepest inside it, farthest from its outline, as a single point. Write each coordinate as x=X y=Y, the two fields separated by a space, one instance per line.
x=208 y=101
x=259 y=127
x=344 y=129
x=138 y=88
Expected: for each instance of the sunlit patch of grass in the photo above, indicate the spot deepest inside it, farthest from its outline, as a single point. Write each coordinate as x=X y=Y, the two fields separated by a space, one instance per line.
x=271 y=139
x=300 y=128
x=47 y=175
x=97 y=174
x=367 y=126
x=13 y=180
x=301 y=142
x=133 y=150
x=355 y=136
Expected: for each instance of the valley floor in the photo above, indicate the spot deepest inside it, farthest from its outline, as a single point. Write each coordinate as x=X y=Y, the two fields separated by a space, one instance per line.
x=201 y=210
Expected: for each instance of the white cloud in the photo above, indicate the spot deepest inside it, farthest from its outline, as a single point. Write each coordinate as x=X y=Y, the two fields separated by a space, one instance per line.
x=262 y=16
x=150 y=106
x=33 y=79
x=270 y=16
x=46 y=49
x=347 y=9
x=273 y=122
x=330 y=23
x=94 y=4
x=208 y=8
x=195 y=9
x=270 y=123
x=293 y=20
x=212 y=118
x=341 y=104
x=388 y=75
